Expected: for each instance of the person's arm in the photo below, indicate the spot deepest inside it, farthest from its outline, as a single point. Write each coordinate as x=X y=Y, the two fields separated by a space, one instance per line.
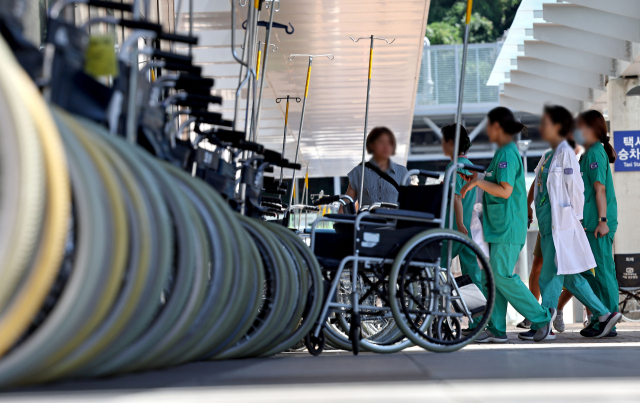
x=351 y=193
x=457 y=207
x=530 y=199
x=601 y=203
x=502 y=189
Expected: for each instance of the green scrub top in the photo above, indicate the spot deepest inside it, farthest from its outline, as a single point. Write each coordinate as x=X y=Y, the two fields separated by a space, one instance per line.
x=594 y=167
x=505 y=220
x=543 y=206
x=469 y=200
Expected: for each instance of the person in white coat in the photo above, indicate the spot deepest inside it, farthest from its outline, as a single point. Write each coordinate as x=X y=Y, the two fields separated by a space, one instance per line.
x=559 y=203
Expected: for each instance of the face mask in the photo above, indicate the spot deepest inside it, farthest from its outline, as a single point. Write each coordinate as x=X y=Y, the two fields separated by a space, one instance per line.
x=578 y=137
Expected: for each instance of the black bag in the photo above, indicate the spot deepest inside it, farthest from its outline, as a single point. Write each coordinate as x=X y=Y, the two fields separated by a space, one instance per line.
x=628 y=270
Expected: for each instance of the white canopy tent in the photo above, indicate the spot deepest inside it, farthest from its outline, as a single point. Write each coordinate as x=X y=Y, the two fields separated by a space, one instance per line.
x=332 y=137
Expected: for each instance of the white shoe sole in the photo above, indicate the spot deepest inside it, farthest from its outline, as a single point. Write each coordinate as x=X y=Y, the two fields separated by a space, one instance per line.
x=492 y=340
x=609 y=326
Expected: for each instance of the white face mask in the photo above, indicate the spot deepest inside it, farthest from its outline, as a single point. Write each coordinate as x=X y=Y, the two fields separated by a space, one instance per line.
x=578 y=137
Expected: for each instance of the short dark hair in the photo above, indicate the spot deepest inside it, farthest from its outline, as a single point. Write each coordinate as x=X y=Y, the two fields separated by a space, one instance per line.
x=560 y=116
x=376 y=133
x=449 y=134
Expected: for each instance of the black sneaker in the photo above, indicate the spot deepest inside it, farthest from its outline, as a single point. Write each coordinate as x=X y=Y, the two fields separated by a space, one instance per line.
x=589 y=331
x=525 y=324
x=527 y=335
x=544 y=332
x=607 y=325
x=612 y=333
x=467 y=331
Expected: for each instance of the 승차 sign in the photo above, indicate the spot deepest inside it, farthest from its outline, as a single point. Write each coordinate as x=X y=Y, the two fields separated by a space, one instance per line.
x=627 y=146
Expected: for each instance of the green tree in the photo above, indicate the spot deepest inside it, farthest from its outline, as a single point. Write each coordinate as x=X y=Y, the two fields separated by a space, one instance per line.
x=489 y=20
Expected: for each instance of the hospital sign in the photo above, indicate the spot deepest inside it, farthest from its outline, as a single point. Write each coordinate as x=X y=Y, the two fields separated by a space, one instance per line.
x=627 y=146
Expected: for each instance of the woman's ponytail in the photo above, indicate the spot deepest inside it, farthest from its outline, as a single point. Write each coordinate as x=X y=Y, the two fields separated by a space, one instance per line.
x=594 y=120
x=506 y=120
x=611 y=153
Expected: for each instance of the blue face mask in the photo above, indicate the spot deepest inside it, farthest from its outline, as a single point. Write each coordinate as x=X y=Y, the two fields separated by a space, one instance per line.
x=578 y=137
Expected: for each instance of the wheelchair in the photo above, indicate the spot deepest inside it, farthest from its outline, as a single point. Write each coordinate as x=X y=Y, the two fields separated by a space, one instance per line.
x=388 y=275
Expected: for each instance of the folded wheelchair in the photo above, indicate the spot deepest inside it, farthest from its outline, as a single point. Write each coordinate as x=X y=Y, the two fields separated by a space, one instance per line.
x=388 y=275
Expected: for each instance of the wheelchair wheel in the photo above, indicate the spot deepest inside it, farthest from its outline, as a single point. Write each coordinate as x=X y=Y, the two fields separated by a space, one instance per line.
x=419 y=261
x=377 y=334
x=315 y=345
x=629 y=305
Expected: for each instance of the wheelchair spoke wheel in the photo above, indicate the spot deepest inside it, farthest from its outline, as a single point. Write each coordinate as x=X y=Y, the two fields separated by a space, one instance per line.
x=630 y=305
x=427 y=303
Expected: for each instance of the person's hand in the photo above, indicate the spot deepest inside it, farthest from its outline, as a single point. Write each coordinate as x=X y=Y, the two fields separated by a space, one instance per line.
x=602 y=229
x=462 y=228
x=470 y=185
x=466 y=178
x=530 y=212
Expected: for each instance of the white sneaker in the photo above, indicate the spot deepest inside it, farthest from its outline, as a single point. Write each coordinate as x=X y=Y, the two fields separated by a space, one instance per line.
x=558 y=324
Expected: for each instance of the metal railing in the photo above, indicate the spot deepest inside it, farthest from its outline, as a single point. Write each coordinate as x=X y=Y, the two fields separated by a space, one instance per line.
x=440 y=74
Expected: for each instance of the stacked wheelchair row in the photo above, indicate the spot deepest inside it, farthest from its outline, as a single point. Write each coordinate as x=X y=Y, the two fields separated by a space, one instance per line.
x=115 y=261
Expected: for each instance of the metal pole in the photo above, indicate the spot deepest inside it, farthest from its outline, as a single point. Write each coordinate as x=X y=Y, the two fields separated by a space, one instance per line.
x=264 y=68
x=133 y=85
x=284 y=139
x=366 y=122
x=251 y=27
x=191 y=25
x=304 y=105
x=456 y=147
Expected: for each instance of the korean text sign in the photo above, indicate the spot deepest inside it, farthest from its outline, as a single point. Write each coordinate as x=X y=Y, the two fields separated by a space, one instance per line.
x=627 y=146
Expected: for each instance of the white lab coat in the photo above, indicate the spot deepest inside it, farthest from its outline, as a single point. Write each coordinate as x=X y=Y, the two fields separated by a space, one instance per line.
x=566 y=195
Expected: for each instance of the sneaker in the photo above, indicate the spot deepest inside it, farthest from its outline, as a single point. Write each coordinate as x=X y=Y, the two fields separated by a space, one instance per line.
x=612 y=333
x=558 y=324
x=527 y=335
x=544 y=332
x=525 y=324
x=607 y=325
x=466 y=332
x=589 y=331
x=488 y=337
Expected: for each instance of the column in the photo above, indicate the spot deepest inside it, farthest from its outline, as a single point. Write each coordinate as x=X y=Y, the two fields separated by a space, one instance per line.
x=624 y=114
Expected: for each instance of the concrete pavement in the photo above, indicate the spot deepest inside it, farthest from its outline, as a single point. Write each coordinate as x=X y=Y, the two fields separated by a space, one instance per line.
x=570 y=368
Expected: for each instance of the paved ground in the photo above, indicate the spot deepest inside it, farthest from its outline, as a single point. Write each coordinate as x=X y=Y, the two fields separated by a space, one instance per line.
x=569 y=369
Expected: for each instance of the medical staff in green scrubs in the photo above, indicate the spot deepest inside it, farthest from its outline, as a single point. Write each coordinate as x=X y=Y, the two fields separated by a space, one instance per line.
x=559 y=201
x=462 y=211
x=600 y=209
x=504 y=205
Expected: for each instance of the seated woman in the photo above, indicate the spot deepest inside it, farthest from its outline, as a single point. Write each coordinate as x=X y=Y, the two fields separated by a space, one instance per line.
x=381 y=144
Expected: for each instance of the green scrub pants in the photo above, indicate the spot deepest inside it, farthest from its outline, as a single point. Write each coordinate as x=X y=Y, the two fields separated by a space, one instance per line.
x=510 y=289
x=468 y=266
x=604 y=283
x=551 y=283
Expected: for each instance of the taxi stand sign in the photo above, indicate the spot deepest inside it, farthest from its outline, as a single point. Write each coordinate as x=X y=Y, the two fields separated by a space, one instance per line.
x=627 y=146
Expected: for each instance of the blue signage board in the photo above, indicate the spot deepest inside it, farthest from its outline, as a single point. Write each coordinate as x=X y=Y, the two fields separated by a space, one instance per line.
x=627 y=146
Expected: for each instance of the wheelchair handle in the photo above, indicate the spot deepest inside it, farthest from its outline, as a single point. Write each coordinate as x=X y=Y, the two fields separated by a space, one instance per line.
x=423 y=172
x=186 y=67
x=326 y=200
x=471 y=167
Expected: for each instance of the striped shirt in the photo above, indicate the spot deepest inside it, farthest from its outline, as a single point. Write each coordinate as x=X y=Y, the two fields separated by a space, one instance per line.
x=376 y=189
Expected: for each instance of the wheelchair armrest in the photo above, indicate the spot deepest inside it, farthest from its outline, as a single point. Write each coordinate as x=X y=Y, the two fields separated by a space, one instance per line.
x=368 y=220
x=402 y=214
